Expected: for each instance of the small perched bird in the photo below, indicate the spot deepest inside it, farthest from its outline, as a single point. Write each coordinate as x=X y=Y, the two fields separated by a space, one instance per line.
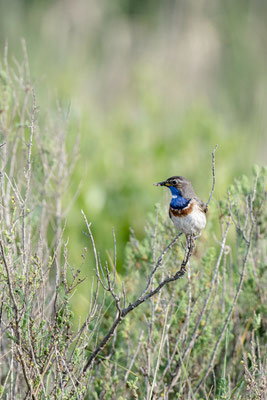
x=187 y=211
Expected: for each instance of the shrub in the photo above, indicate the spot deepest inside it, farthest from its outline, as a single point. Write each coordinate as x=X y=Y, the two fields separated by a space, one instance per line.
x=197 y=322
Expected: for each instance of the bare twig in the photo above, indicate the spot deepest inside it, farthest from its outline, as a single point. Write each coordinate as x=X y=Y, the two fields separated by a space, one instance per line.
x=134 y=357
x=159 y=262
x=163 y=338
x=213 y=175
x=141 y=299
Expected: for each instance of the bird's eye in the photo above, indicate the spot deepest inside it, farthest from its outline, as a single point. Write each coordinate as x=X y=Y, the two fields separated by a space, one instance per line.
x=174 y=182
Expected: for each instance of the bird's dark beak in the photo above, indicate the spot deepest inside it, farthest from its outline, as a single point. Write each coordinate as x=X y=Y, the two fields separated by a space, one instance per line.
x=160 y=184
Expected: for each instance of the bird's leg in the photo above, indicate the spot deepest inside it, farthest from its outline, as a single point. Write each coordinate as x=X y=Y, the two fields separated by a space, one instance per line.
x=187 y=243
x=187 y=251
x=192 y=243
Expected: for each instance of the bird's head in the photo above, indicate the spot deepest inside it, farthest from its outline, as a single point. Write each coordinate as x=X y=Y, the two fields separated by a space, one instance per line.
x=180 y=183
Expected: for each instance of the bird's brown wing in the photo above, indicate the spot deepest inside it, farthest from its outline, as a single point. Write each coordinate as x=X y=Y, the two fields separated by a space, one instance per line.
x=201 y=205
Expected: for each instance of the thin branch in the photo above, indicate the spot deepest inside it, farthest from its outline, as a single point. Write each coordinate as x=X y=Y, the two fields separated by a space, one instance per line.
x=141 y=299
x=162 y=340
x=134 y=357
x=213 y=175
x=9 y=281
x=159 y=262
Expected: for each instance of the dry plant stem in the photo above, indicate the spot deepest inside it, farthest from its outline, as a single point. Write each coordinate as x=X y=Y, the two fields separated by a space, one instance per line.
x=213 y=175
x=28 y=179
x=163 y=338
x=9 y=281
x=133 y=358
x=159 y=262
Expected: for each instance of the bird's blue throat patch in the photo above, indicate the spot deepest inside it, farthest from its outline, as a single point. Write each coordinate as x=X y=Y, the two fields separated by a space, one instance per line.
x=178 y=201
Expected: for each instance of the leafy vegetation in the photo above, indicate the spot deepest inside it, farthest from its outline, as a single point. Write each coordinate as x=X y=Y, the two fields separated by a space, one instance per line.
x=122 y=94
x=201 y=336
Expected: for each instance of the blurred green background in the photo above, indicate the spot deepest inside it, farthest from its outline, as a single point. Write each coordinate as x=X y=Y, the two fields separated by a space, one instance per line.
x=151 y=86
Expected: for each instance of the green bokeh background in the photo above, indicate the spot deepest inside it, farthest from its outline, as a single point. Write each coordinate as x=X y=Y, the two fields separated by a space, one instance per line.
x=151 y=87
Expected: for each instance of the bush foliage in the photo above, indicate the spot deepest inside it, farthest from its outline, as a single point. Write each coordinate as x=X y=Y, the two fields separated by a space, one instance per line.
x=199 y=337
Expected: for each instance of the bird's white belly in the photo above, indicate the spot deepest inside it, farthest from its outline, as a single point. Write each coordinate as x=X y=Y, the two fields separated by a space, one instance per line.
x=190 y=224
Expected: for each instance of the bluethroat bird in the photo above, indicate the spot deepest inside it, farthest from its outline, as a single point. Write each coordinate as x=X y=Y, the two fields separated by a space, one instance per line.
x=187 y=211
